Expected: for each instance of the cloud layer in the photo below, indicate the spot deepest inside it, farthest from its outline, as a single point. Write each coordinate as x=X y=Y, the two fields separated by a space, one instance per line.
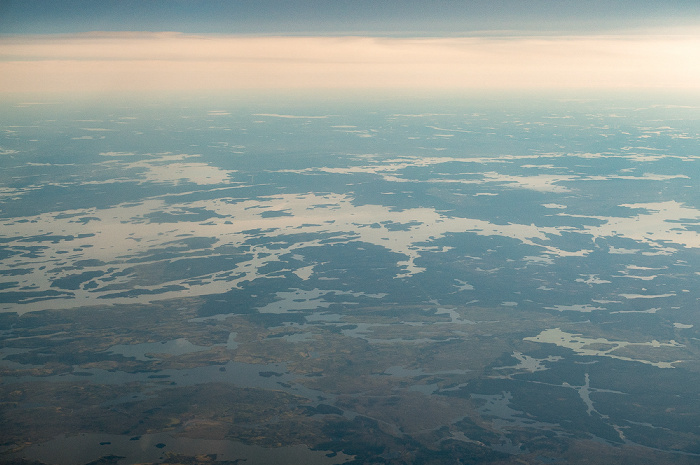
x=99 y=62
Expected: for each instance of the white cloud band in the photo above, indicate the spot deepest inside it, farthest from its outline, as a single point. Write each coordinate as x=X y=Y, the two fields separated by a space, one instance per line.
x=172 y=61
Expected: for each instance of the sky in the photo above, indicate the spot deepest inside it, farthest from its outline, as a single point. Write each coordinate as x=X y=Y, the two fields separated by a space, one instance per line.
x=178 y=45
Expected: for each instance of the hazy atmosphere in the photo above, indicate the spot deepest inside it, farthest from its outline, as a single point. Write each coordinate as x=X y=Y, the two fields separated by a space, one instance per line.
x=349 y=232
